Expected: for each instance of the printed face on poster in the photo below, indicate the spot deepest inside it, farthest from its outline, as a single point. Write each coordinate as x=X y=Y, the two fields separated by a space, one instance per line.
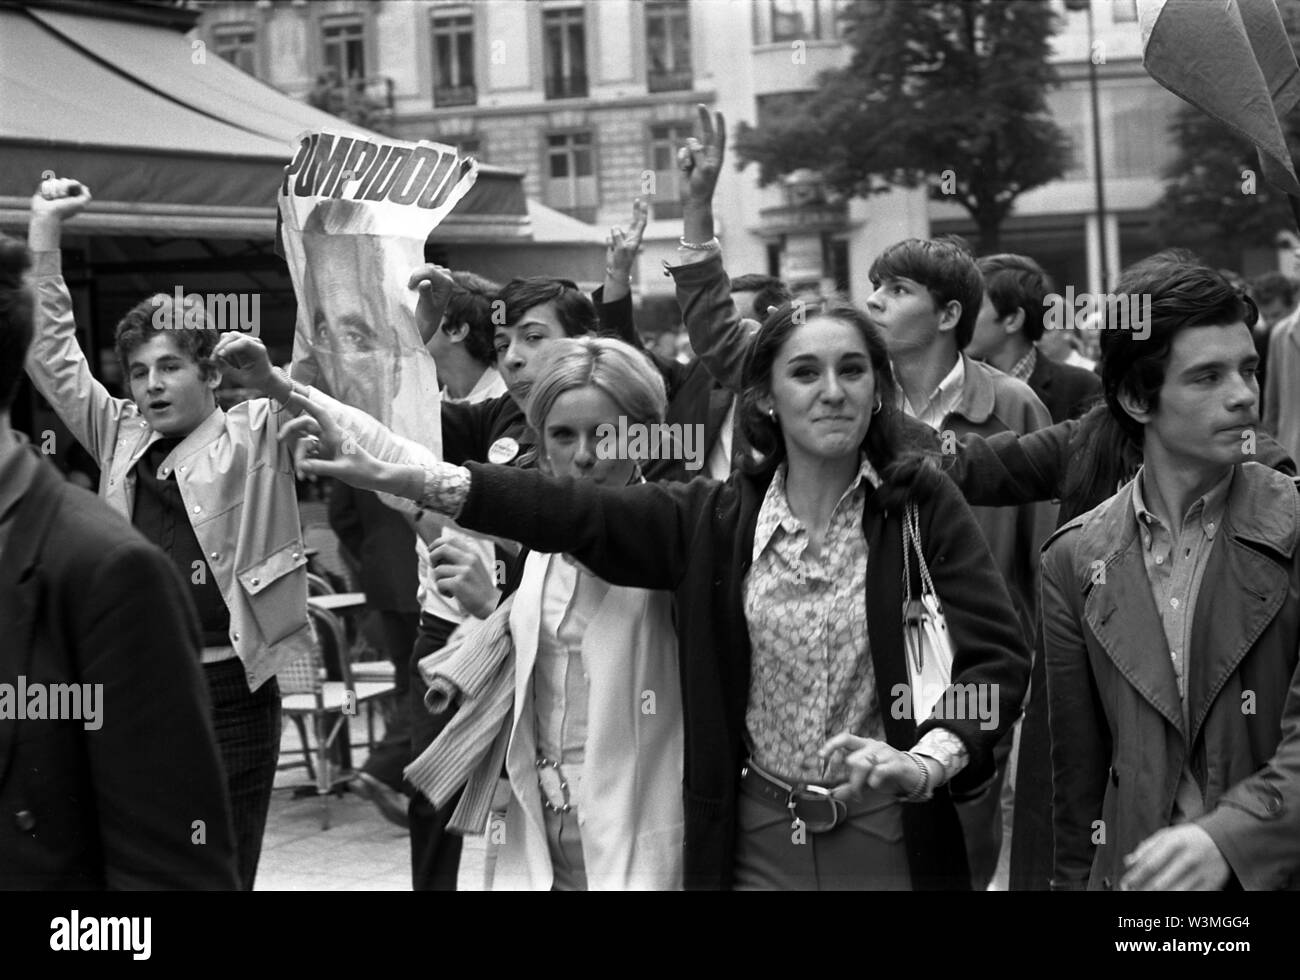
x=355 y=216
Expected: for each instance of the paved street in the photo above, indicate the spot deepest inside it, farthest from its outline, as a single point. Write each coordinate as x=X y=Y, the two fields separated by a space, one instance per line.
x=360 y=852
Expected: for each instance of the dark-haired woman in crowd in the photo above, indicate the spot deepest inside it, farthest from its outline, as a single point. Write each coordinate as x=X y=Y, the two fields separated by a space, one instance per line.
x=803 y=765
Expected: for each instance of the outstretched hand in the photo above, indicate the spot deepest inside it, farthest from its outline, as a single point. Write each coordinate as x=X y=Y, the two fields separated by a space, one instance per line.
x=321 y=447
x=700 y=160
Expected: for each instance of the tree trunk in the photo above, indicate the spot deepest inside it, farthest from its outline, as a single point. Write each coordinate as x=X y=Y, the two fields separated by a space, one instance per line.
x=990 y=234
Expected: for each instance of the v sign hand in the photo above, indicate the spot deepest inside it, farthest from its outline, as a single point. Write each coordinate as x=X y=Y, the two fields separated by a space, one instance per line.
x=701 y=158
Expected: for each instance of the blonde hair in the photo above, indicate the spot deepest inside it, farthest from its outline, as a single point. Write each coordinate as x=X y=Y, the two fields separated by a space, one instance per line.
x=620 y=371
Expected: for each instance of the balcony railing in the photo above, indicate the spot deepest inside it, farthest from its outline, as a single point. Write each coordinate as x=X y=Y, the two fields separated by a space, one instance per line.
x=566 y=86
x=670 y=81
x=364 y=101
x=449 y=95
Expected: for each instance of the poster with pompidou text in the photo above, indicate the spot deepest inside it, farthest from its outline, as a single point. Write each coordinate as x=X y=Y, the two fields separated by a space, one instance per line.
x=355 y=214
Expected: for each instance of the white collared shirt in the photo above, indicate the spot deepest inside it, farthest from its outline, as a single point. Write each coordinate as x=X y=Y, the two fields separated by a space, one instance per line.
x=719 y=465
x=490 y=384
x=942 y=401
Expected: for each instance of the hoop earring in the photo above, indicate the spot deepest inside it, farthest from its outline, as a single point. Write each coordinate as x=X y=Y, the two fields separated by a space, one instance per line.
x=880 y=403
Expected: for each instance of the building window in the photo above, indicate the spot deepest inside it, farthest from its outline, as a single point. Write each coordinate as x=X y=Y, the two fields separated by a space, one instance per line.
x=1130 y=113
x=343 y=49
x=793 y=19
x=1124 y=11
x=470 y=146
x=668 y=45
x=571 y=174
x=565 y=39
x=777 y=108
x=836 y=263
x=783 y=21
x=774 y=250
x=1070 y=108
x=453 y=58
x=665 y=140
x=237 y=43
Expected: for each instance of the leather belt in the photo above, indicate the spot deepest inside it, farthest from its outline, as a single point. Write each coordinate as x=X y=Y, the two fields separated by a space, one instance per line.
x=810 y=804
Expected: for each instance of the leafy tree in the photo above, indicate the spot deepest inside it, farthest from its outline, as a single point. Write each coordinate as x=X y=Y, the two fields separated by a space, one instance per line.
x=1210 y=203
x=949 y=93
x=1216 y=202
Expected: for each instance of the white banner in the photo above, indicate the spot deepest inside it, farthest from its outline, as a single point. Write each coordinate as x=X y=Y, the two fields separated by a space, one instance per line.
x=355 y=215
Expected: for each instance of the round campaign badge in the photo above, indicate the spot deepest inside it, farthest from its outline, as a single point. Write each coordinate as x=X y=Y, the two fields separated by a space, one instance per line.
x=503 y=450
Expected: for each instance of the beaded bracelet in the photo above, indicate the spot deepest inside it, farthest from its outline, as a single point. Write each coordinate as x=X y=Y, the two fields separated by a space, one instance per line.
x=708 y=246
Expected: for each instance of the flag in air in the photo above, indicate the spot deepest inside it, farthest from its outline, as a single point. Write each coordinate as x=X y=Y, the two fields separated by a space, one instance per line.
x=1231 y=59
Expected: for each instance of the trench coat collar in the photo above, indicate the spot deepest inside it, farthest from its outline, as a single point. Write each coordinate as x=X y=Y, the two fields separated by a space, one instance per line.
x=1262 y=510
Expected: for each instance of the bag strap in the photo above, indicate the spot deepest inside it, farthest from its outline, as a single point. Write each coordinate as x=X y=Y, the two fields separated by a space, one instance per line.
x=907 y=547
x=912 y=540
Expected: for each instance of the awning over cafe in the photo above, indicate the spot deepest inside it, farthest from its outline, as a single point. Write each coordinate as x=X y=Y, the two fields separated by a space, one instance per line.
x=171 y=139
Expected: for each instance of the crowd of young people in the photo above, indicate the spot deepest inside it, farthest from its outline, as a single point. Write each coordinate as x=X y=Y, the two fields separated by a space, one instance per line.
x=700 y=679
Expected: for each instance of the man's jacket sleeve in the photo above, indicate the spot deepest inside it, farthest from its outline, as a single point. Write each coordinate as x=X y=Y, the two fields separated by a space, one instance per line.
x=59 y=369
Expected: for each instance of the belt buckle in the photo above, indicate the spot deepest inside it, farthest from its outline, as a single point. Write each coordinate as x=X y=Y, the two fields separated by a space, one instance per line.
x=820 y=794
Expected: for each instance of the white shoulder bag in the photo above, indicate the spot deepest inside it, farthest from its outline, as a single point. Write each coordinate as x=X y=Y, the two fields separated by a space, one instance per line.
x=925 y=631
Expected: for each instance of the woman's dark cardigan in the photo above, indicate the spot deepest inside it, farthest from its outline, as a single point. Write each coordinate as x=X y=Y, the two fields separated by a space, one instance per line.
x=695 y=539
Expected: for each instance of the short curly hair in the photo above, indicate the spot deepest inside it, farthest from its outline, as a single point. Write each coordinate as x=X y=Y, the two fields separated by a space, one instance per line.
x=190 y=329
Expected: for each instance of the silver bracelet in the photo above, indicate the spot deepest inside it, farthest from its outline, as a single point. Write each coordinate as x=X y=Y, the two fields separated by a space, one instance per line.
x=611 y=274
x=708 y=246
x=924 y=793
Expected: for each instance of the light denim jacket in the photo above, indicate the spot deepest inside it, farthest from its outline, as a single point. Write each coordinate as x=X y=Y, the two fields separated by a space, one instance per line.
x=234 y=476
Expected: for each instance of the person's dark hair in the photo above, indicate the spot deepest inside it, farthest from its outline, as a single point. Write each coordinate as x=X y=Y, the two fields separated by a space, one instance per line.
x=188 y=327
x=471 y=303
x=945 y=267
x=574 y=308
x=904 y=463
x=1017 y=282
x=768 y=291
x=1108 y=442
x=1272 y=286
x=1236 y=278
x=15 y=318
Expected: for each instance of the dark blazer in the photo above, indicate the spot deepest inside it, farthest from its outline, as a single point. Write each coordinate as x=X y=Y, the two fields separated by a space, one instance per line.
x=1007 y=470
x=695 y=397
x=84 y=599
x=382 y=543
x=1066 y=390
x=696 y=539
x=698 y=399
